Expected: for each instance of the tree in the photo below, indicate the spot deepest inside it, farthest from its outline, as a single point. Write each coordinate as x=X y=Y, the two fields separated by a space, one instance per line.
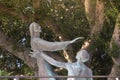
x=64 y=20
x=115 y=53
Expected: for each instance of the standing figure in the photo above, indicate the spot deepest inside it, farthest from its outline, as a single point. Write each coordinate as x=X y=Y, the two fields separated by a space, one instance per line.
x=39 y=45
x=77 y=68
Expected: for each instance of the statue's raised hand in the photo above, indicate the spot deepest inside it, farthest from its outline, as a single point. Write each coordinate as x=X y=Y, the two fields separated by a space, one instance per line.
x=76 y=39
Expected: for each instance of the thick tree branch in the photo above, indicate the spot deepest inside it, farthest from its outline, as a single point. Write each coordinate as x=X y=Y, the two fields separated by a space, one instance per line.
x=115 y=41
x=90 y=11
x=99 y=18
x=99 y=21
x=20 y=52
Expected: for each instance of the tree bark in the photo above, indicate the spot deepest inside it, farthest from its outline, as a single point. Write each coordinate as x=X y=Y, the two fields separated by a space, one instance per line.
x=99 y=18
x=90 y=11
x=116 y=59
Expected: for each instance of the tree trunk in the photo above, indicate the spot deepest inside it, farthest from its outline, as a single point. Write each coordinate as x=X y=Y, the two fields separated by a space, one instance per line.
x=95 y=16
x=115 y=72
x=115 y=42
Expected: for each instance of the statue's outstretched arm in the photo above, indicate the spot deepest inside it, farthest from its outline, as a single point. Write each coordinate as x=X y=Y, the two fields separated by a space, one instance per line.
x=53 y=61
x=44 y=45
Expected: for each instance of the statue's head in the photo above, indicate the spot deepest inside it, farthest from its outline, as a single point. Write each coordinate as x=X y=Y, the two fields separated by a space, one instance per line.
x=34 y=29
x=82 y=56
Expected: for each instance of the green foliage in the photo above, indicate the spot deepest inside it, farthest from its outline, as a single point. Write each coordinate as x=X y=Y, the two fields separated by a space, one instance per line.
x=13 y=26
x=114 y=50
x=49 y=37
x=112 y=8
x=70 y=17
x=111 y=11
x=101 y=57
